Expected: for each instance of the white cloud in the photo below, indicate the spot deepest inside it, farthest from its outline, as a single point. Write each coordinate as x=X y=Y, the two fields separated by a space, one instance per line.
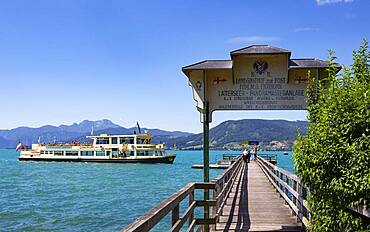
x=323 y=2
x=253 y=39
x=306 y=29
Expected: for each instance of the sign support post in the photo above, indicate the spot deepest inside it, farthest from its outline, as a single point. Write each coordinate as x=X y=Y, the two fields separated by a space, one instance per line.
x=206 y=158
x=257 y=77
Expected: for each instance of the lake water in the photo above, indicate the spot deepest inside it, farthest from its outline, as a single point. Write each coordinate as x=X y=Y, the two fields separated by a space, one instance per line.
x=57 y=196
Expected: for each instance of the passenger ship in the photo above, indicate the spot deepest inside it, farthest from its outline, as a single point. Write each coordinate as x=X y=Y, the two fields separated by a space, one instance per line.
x=136 y=148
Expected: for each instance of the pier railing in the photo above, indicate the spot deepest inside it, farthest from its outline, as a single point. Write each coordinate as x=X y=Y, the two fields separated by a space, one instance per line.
x=290 y=188
x=295 y=193
x=287 y=184
x=221 y=186
x=268 y=157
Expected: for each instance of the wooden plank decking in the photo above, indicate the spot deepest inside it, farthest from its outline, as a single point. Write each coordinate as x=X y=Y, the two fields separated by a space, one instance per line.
x=254 y=205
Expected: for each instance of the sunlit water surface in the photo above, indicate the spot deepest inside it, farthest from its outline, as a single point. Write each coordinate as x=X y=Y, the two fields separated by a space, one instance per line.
x=58 y=196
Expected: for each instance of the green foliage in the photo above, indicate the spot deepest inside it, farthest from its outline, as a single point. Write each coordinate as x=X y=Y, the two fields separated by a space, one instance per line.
x=333 y=158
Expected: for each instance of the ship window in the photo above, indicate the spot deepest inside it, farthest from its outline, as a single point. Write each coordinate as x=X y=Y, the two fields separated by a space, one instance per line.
x=87 y=153
x=42 y=152
x=58 y=153
x=114 y=140
x=71 y=153
x=126 y=141
x=102 y=141
x=114 y=151
x=100 y=153
x=132 y=153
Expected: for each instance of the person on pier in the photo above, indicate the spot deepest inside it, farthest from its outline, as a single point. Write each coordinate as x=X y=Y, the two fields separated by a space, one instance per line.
x=246 y=156
x=255 y=152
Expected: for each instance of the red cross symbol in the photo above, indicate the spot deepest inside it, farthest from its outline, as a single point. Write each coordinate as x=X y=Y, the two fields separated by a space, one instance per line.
x=218 y=81
x=299 y=80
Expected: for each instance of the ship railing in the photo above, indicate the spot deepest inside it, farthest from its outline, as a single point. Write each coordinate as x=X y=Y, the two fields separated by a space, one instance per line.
x=66 y=145
x=220 y=187
x=26 y=148
x=290 y=188
x=145 y=146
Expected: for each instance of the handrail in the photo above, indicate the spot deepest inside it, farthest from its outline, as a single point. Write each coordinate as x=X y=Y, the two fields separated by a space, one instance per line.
x=221 y=186
x=294 y=194
x=268 y=157
x=363 y=210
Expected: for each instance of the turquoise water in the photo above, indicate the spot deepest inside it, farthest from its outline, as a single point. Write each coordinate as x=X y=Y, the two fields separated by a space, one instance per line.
x=283 y=161
x=53 y=196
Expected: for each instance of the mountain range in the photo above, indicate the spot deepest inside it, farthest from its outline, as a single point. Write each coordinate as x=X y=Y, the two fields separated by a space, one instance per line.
x=232 y=132
x=67 y=133
x=226 y=133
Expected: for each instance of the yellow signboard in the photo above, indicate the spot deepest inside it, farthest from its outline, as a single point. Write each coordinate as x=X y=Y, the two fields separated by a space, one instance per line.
x=256 y=78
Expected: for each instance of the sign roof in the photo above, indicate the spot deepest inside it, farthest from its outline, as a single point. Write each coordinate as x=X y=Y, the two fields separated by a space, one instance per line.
x=259 y=49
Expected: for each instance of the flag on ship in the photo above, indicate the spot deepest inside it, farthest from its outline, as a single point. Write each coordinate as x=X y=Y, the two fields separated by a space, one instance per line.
x=138 y=127
x=19 y=146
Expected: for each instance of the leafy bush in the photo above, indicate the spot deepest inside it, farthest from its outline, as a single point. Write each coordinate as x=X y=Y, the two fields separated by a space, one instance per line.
x=333 y=158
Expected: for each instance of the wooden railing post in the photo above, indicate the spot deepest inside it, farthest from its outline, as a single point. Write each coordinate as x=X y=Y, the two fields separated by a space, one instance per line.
x=214 y=197
x=191 y=217
x=287 y=182
x=300 y=201
x=175 y=214
x=294 y=198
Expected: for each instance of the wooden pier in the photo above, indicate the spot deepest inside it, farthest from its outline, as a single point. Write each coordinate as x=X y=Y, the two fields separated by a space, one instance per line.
x=254 y=205
x=258 y=196
x=246 y=197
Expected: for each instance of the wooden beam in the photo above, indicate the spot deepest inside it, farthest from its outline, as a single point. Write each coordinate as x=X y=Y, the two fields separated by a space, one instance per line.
x=187 y=215
x=152 y=217
x=204 y=185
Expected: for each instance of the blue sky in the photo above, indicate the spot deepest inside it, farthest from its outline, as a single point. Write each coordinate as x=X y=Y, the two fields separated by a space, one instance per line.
x=66 y=61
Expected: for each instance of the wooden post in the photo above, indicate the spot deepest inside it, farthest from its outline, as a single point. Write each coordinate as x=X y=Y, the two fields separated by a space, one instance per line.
x=191 y=217
x=287 y=182
x=300 y=202
x=175 y=214
x=286 y=188
x=206 y=158
x=215 y=208
x=295 y=187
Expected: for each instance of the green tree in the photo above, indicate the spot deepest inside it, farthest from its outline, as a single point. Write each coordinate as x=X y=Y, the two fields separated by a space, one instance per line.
x=333 y=158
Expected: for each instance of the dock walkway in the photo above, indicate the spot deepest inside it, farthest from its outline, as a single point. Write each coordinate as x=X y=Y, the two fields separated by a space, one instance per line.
x=254 y=205
x=258 y=196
